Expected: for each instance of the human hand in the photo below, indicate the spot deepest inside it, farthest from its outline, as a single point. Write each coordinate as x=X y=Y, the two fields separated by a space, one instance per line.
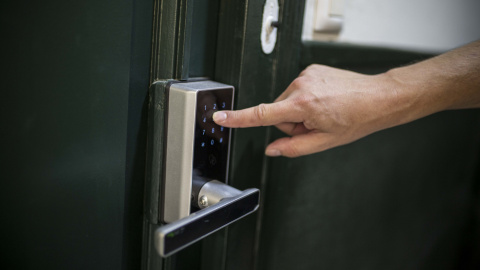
x=326 y=107
x=323 y=108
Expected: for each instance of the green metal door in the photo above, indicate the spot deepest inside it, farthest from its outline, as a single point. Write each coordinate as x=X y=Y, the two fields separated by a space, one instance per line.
x=84 y=88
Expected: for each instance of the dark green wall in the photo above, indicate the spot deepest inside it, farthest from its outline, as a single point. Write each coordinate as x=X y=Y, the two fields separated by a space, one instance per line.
x=74 y=83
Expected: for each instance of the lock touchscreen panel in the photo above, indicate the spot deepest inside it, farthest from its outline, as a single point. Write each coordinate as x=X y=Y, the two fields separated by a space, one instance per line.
x=211 y=145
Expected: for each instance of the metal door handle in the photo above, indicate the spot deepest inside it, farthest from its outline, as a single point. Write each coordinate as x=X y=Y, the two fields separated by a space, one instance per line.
x=179 y=234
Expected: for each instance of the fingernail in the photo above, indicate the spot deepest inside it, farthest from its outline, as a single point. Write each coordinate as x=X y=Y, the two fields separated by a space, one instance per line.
x=272 y=152
x=219 y=117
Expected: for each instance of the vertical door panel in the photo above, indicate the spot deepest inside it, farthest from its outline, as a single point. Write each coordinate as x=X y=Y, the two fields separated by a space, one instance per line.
x=71 y=185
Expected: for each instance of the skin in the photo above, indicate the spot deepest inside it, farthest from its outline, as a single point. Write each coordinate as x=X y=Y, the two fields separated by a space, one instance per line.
x=325 y=107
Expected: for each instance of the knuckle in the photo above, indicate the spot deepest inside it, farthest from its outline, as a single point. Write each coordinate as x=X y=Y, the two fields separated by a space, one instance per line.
x=309 y=69
x=260 y=112
x=299 y=83
x=303 y=101
x=305 y=104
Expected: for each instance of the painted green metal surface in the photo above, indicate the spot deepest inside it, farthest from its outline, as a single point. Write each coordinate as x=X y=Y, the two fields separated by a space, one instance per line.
x=241 y=62
x=171 y=39
x=154 y=159
x=204 y=38
x=399 y=199
x=74 y=83
x=177 y=25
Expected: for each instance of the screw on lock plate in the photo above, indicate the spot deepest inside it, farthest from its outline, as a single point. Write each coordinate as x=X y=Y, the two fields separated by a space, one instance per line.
x=203 y=201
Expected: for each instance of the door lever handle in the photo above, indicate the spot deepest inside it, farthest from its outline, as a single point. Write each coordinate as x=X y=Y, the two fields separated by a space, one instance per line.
x=222 y=211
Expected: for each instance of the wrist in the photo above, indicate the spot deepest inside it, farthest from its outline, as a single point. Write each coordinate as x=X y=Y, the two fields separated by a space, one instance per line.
x=397 y=100
x=416 y=91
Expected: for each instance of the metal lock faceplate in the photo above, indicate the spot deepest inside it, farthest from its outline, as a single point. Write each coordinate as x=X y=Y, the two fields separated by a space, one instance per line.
x=196 y=147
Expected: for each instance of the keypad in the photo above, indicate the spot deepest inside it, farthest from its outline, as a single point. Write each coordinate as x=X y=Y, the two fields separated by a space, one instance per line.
x=211 y=140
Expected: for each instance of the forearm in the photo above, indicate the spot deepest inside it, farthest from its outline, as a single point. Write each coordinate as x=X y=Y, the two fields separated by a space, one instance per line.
x=448 y=81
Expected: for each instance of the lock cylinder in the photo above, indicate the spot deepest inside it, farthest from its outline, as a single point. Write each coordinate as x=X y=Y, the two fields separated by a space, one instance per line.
x=213 y=192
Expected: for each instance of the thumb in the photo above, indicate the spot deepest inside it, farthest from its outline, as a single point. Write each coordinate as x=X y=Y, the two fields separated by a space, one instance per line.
x=299 y=145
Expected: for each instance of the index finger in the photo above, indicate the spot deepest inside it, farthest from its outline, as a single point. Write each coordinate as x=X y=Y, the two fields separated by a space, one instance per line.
x=260 y=115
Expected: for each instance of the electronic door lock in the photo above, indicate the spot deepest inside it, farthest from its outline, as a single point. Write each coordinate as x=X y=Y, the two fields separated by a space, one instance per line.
x=197 y=200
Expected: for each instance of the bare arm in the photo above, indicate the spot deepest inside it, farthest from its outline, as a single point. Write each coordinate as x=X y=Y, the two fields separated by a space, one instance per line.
x=326 y=107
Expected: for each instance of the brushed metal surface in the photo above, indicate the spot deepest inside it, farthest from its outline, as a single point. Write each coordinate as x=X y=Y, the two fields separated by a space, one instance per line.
x=215 y=191
x=179 y=152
